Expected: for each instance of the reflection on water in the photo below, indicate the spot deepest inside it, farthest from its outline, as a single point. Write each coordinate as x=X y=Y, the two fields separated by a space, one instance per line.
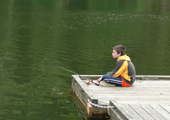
x=77 y=35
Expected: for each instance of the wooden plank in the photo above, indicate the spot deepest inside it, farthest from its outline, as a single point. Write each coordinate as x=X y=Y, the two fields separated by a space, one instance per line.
x=139 y=110
x=89 y=109
x=146 y=99
x=152 y=112
x=84 y=87
x=159 y=92
x=90 y=96
x=78 y=91
x=158 y=103
x=115 y=113
x=83 y=93
x=152 y=76
x=161 y=111
x=151 y=94
x=130 y=98
x=137 y=76
x=166 y=107
x=136 y=87
x=141 y=77
x=139 y=85
x=142 y=111
x=127 y=110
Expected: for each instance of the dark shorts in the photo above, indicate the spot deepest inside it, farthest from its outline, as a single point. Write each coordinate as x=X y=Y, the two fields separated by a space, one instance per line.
x=112 y=80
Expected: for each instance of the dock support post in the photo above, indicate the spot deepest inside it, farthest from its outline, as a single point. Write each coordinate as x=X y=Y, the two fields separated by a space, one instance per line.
x=89 y=109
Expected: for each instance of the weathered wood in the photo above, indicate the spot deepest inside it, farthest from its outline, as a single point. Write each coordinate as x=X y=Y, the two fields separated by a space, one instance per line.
x=152 y=112
x=83 y=93
x=141 y=112
x=137 y=76
x=84 y=87
x=89 y=109
x=83 y=97
x=115 y=113
x=138 y=111
x=130 y=113
x=80 y=94
x=146 y=99
x=153 y=76
x=166 y=107
x=161 y=110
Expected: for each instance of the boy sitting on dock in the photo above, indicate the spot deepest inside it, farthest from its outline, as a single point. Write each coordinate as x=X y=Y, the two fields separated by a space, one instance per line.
x=124 y=72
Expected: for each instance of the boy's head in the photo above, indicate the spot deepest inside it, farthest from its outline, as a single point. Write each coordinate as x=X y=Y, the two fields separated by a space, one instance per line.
x=119 y=49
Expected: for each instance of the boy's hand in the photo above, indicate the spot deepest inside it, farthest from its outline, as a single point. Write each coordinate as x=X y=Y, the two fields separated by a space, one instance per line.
x=98 y=80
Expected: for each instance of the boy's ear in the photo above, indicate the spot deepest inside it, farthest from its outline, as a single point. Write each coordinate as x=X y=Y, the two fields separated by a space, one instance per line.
x=119 y=53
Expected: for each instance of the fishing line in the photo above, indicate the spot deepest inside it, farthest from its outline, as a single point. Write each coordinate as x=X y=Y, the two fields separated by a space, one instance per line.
x=47 y=67
x=72 y=72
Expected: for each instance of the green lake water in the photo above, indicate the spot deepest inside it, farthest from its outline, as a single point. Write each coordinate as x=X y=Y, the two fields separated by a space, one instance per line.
x=38 y=35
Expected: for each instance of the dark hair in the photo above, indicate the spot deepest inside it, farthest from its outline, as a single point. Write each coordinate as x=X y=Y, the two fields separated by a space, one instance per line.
x=120 y=49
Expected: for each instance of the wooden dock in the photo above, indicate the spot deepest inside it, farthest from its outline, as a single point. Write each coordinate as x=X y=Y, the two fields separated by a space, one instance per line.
x=147 y=99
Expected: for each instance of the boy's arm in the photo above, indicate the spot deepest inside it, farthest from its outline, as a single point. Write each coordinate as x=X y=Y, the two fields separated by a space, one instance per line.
x=119 y=68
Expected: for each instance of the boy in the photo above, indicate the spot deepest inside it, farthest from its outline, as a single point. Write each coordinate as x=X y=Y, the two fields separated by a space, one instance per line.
x=123 y=74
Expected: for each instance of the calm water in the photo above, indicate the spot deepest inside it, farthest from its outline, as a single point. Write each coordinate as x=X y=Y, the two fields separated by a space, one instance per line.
x=38 y=35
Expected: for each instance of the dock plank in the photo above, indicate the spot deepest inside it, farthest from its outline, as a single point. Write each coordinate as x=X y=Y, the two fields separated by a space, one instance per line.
x=161 y=111
x=141 y=112
x=147 y=99
x=144 y=110
x=166 y=107
x=137 y=76
x=130 y=113
x=152 y=112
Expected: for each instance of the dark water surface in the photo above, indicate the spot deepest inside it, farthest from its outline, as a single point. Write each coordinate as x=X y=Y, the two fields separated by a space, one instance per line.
x=38 y=35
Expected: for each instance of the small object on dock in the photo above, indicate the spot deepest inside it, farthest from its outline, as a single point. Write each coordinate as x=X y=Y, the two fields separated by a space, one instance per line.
x=89 y=82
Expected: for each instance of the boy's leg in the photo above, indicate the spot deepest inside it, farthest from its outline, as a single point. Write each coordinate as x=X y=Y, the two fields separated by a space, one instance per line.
x=112 y=80
x=105 y=84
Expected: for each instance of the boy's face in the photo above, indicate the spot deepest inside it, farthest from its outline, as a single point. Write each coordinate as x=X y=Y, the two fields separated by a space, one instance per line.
x=115 y=54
